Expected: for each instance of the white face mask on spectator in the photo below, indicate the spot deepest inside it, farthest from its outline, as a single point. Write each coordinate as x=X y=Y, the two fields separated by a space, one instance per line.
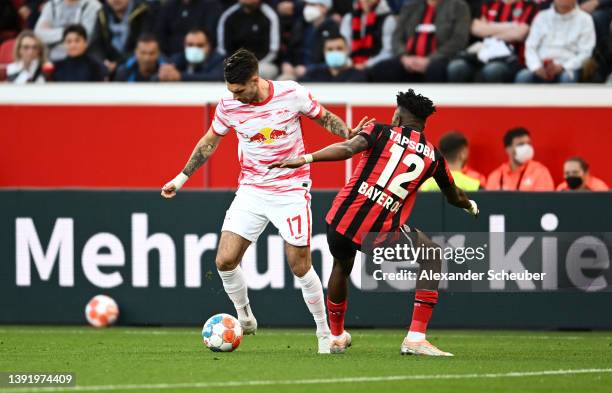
x=311 y=13
x=194 y=55
x=523 y=153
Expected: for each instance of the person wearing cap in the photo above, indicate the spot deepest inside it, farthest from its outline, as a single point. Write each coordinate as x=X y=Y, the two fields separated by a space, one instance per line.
x=578 y=178
x=455 y=150
x=307 y=39
x=521 y=172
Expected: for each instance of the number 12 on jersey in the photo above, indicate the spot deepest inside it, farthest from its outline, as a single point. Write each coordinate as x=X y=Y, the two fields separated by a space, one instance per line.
x=415 y=166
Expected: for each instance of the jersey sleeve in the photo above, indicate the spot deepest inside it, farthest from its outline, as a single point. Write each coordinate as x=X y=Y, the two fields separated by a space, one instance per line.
x=220 y=124
x=442 y=174
x=306 y=104
x=369 y=133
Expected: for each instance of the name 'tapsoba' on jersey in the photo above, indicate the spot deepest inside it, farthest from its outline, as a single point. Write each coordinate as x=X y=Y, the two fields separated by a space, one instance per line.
x=381 y=192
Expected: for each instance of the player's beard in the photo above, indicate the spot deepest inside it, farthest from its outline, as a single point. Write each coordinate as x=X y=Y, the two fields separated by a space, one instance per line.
x=250 y=98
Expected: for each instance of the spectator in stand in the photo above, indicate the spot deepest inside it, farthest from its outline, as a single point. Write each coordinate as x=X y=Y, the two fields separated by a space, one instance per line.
x=429 y=33
x=340 y=8
x=145 y=64
x=307 y=39
x=601 y=11
x=30 y=12
x=252 y=25
x=178 y=17
x=78 y=66
x=577 y=177
x=521 y=172
x=197 y=63
x=561 y=39
x=337 y=67
x=29 y=59
x=9 y=20
x=368 y=30
x=119 y=24
x=501 y=27
x=56 y=15
x=289 y=13
x=455 y=150
x=396 y=6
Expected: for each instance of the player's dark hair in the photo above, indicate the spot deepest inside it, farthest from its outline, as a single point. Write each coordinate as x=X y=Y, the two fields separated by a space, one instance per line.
x=451 y=144
x=147 y=37
x=420 y=106
x=240 y=67
x=583 y=164
x=514 y=133
x=76 y=29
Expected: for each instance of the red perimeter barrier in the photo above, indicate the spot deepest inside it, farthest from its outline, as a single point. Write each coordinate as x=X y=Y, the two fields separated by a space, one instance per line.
x=143 y=146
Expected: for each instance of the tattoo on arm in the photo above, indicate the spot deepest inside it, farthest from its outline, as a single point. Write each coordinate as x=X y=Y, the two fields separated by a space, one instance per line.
x=200 y=154
x=333 y=124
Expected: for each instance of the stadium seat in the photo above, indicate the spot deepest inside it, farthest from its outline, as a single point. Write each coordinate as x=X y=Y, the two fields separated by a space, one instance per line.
x=6 y=56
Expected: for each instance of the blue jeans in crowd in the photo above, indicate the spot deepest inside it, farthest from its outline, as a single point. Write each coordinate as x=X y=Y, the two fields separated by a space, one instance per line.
x=526 y=76
x=464 y=71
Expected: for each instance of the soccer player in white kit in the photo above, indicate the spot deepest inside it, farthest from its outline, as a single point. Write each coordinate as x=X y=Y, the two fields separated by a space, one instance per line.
x=266 y=117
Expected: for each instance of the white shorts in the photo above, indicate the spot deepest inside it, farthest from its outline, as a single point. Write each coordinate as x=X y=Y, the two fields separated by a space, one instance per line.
x=288 y=211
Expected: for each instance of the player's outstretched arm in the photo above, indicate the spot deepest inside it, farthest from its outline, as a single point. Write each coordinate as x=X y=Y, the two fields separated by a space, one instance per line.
x=337 y=126
x=457 y=197
x=205 y=147
x=337 y=152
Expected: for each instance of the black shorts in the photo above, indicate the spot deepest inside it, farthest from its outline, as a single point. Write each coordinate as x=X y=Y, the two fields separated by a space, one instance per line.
x=340 y=246
x=343 y=248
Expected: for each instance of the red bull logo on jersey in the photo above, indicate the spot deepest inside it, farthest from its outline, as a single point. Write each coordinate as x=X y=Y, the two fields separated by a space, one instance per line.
x=268 y=135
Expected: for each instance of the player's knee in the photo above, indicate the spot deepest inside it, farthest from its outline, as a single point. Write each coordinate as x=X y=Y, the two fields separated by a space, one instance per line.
x=343 y=266
x=225 y=262
x=301 y=268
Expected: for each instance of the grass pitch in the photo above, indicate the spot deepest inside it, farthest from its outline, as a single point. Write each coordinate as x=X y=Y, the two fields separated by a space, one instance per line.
x=174 y=360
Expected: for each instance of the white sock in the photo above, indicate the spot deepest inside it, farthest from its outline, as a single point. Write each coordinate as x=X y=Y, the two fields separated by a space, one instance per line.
x=415 y=336
x=236 y=288
x=312 y=291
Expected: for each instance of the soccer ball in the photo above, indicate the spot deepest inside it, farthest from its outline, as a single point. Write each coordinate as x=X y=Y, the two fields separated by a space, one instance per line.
x=222 y=333
x=101 y=311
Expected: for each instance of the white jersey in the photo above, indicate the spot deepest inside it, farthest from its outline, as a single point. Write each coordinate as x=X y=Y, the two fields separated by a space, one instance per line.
x=269 y=131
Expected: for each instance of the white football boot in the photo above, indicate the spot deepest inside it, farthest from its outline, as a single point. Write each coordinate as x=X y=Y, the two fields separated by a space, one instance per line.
x=339 y=344
x=324 y=340
x=422 y=347
x=249 y=324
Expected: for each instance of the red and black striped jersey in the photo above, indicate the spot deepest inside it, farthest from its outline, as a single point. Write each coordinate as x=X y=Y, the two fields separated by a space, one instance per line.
x=519 y=11
x=423 y=41
x=382 y=190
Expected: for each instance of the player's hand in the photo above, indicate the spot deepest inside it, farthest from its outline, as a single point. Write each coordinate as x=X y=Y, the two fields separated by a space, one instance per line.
x=294 y=163
x=363 y=123
x=168 y=190
x=473 y=210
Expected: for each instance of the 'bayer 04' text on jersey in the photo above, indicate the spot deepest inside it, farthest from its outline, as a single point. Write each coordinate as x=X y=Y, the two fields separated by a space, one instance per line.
x=381 y=192
x=269 y=131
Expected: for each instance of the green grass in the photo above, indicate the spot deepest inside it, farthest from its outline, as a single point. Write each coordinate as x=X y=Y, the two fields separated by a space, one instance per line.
x=128 y=356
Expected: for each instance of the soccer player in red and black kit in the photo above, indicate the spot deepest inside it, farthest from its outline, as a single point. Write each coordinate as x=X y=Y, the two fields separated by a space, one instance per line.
x=378 y=198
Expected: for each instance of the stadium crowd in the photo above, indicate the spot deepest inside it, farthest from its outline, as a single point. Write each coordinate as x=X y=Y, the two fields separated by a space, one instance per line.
x=500 y=41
